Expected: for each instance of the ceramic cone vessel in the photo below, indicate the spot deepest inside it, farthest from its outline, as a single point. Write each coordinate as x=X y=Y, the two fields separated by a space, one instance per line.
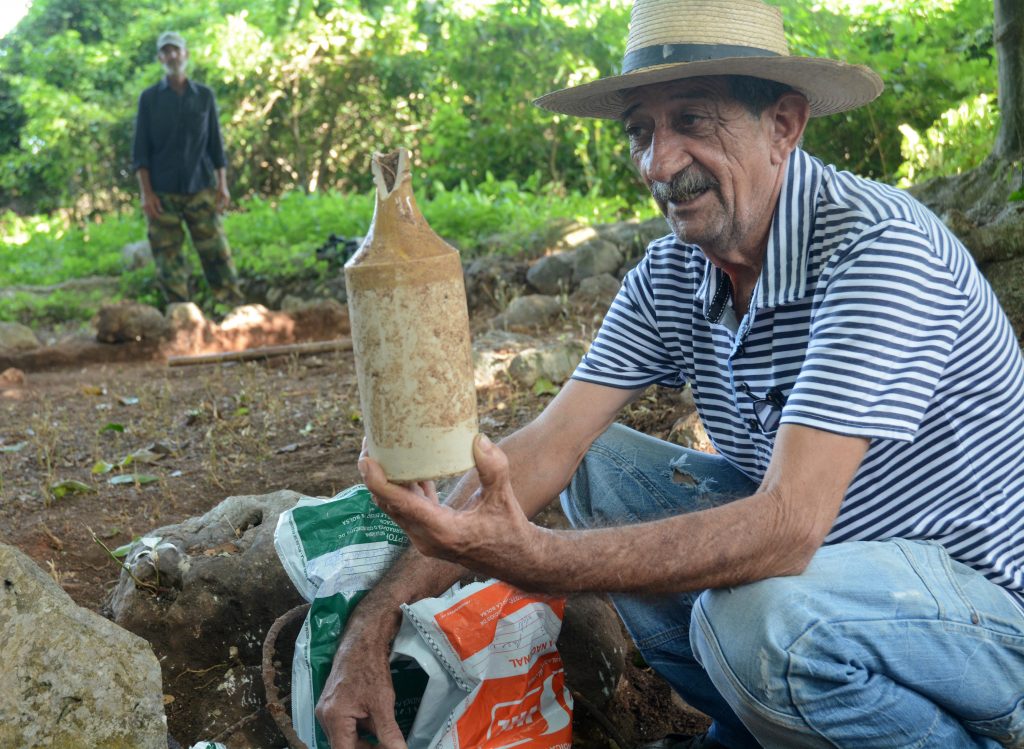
x=410 y=334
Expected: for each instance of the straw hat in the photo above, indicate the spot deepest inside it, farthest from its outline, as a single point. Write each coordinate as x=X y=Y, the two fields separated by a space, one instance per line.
x=673 y=39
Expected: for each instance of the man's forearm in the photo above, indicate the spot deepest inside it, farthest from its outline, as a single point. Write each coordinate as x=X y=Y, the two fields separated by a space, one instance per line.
x=222 y=179
x=145 y=186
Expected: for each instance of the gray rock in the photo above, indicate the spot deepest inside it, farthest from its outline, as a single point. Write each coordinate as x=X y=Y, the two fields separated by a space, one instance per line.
x=554 y=362
x=130 y=321
x=137 y=254
x=651 y=229
x=185 y=316
x=529 y=312
x=632 y=237
x=593 y=648
x=221 y=586
x=17 y=337
x=275 y=295
x=291 y=303
x=596 y=292
x=493 y=280
x=70 y=677
x=552 y=274
x=493 y=351
x=596 y=257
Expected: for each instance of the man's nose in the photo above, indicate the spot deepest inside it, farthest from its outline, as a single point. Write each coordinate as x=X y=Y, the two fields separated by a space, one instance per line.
x=667 y=154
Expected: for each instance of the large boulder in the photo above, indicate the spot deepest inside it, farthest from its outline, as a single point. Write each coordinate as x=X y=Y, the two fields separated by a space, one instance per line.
x=16 y=337
x=130 y=321
x=71 y=678
x=530 y=312
x=204 y=593
x=552 y=274
x=596 y=257
x=492 y=280
x=554 y=362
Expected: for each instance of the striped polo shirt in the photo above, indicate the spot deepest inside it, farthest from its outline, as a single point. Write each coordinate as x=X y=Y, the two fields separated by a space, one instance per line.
x=869 y=319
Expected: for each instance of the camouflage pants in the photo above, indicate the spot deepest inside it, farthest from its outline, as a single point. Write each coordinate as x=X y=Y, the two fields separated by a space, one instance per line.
x=167 y=238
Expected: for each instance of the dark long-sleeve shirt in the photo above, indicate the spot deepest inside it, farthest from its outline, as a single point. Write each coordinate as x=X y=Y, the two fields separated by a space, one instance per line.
x=177 y=138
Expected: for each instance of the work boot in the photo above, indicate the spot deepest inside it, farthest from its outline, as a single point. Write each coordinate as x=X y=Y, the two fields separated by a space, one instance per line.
x=678 y=741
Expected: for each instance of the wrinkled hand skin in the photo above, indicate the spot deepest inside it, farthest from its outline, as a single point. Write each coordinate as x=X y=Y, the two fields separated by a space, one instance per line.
x=358 y=694
x=490 y=535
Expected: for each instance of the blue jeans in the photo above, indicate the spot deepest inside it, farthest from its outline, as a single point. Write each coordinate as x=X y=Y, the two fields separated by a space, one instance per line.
x=877 y=644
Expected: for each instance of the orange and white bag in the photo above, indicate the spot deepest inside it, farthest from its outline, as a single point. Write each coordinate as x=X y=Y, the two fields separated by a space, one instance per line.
x=495 y=676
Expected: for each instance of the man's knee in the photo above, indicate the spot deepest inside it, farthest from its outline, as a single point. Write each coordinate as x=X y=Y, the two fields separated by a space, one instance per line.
x=743 y=635
x=594 y=497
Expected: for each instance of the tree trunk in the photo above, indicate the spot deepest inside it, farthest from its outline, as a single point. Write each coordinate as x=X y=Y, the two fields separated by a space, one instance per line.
x=1009 y=39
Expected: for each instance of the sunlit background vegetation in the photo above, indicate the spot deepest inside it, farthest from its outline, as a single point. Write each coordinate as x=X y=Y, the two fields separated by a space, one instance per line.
x=308 y=89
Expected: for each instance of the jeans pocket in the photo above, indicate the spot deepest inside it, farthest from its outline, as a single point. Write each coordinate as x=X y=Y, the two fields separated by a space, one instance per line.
x=1007 y=730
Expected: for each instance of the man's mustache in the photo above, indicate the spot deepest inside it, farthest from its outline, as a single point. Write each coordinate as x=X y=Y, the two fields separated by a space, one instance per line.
x=683 y=186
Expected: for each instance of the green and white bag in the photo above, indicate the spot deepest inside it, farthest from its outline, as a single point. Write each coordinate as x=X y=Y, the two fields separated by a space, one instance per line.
x=334 y=550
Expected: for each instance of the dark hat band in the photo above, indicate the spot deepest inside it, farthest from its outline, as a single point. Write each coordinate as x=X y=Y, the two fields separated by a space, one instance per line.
x=663 y=54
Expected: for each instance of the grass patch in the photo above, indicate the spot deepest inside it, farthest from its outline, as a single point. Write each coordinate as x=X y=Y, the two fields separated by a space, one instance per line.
x=272 y=239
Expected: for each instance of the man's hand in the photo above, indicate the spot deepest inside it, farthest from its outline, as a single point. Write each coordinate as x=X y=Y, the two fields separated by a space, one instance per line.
x=491 y=534
x=223 y=199
x=151 y=205
x=359 y=694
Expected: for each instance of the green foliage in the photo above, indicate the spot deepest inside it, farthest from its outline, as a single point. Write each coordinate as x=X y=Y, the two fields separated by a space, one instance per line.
x=309 y=88
x=931 y=54
x=958 y=140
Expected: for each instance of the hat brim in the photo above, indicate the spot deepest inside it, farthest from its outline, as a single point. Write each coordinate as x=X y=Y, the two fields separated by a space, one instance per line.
x=830 y=86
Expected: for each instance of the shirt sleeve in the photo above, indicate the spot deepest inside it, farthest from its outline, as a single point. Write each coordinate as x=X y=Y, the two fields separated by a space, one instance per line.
x=141 y=142
x=214 y=144
x=628 y=351
x=880 y=338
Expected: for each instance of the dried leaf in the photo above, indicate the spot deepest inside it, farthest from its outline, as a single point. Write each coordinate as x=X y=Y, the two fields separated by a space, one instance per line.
x=145 y=455
x=128 y=401
x=95 y=390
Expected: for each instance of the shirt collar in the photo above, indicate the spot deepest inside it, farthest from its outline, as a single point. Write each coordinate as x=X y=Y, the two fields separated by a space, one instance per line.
x=165 y=84
x=784 y=274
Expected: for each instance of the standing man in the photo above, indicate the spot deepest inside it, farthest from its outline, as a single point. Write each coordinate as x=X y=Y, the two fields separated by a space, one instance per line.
x=179 y=158
x=848 y=569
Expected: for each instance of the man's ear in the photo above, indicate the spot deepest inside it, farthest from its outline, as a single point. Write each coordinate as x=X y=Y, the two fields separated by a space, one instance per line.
x=788 y=120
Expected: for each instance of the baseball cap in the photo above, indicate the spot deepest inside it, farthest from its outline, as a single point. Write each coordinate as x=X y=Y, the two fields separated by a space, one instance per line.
x=170 y=37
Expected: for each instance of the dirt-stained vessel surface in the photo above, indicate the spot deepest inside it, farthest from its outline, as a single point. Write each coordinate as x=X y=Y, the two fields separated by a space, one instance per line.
x=410 y=333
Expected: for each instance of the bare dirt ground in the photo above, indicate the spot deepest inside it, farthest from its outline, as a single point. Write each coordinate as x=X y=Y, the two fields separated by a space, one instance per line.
x=95 y=456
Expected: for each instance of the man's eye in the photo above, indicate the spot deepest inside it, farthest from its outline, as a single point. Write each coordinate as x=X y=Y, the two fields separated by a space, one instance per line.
x=634 y=132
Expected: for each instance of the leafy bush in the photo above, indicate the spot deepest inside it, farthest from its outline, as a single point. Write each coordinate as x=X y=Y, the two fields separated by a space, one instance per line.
x=958 y=140
x=309 y=88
